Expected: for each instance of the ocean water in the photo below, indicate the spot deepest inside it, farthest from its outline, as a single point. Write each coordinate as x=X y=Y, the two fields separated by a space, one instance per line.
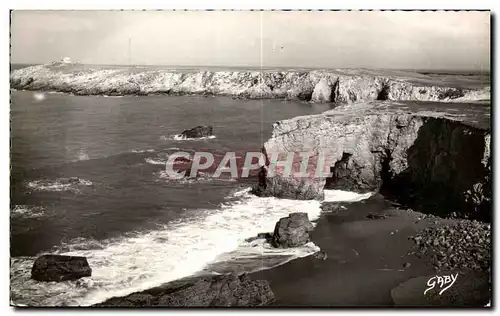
x=137 y=228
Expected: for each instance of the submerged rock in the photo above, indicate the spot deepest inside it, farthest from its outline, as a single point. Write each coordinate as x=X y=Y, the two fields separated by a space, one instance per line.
x=71 y=180
x=205 y=291
x=292 y=231
x=376 y=216
x=60 y=268
x=321 y=255
x=266 y=236
x=198 y=132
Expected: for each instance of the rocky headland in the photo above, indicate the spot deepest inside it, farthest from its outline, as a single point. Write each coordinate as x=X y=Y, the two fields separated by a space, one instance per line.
x=339 y=85
x=430 y=156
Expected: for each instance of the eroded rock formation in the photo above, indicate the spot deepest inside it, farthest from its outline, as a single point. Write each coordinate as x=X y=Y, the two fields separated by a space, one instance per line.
x=428 y=154
x=317 y=86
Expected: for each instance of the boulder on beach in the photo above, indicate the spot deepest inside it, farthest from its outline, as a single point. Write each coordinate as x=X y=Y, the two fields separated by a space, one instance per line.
x=60 y=268
x=198 y=132
x=292 y=231
x=205 y=291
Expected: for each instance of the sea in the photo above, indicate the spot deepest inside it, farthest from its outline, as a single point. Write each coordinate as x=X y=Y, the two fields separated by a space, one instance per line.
x=137 y=227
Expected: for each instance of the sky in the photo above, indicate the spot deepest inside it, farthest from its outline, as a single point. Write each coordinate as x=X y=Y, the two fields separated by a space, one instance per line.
x=342 y=39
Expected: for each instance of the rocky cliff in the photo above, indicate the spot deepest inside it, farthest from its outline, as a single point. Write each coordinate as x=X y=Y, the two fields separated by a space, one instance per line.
x=424 y=154
x=309 y=85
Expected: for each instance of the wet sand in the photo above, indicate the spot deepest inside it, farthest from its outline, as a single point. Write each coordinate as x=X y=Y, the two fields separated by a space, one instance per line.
x=366 y=258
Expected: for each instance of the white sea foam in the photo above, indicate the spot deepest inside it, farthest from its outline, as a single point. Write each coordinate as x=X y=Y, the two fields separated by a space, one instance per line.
x=180 y=137
x=27 y=211
x=140 y=261
x=156 y=161
x=83 y=155
x=39 y=96
x=57 y=185
x=345 y=196
x=143 y=151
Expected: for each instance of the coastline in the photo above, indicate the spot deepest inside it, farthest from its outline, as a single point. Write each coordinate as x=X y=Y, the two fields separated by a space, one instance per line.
x=367 y=261
x=320 y=86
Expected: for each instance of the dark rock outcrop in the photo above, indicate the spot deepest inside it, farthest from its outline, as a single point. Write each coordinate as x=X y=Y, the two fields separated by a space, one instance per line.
x=267 y=236
x=60 y=268
x=206 y=291
x=292 y=231
x=198 y=132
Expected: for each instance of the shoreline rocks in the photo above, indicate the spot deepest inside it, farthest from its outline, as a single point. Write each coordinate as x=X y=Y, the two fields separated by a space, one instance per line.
x=60 y=268
x=205 y=291
x=463 y=245
x=292 y=231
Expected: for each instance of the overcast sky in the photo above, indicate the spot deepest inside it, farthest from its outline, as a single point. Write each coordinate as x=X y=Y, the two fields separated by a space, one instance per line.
x=418 y=40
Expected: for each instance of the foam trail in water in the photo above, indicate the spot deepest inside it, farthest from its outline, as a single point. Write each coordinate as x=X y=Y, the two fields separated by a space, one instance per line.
x=156 y=161
x=143 y=151
x=180 y=137
x=61 y=184
x=141 y=261
x=27 y=211
x=39 y=96
x=345 y=196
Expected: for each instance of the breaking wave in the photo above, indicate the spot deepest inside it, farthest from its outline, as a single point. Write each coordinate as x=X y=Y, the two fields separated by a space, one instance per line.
x=179 y=137
x=58 y=185
x=27 y=211
x=142 y=260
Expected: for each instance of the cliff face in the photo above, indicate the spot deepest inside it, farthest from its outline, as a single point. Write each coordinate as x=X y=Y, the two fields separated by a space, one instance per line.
x=415 y=155
x=315 y=86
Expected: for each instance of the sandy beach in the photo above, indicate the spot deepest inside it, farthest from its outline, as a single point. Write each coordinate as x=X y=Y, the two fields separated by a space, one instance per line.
x=366 y=259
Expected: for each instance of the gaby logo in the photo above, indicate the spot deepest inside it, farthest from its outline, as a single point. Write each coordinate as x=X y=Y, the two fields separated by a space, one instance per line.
x=444 y=282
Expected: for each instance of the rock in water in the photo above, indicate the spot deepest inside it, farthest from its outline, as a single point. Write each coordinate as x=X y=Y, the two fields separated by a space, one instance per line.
x=71 y=180
x=292 y=231
x=198 y=132
x=60 y=268
x=206 y=291
x=321 y=255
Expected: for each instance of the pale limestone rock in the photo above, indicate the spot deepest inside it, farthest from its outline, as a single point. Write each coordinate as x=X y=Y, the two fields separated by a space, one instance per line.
x=322 y=91
x=339 y=86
